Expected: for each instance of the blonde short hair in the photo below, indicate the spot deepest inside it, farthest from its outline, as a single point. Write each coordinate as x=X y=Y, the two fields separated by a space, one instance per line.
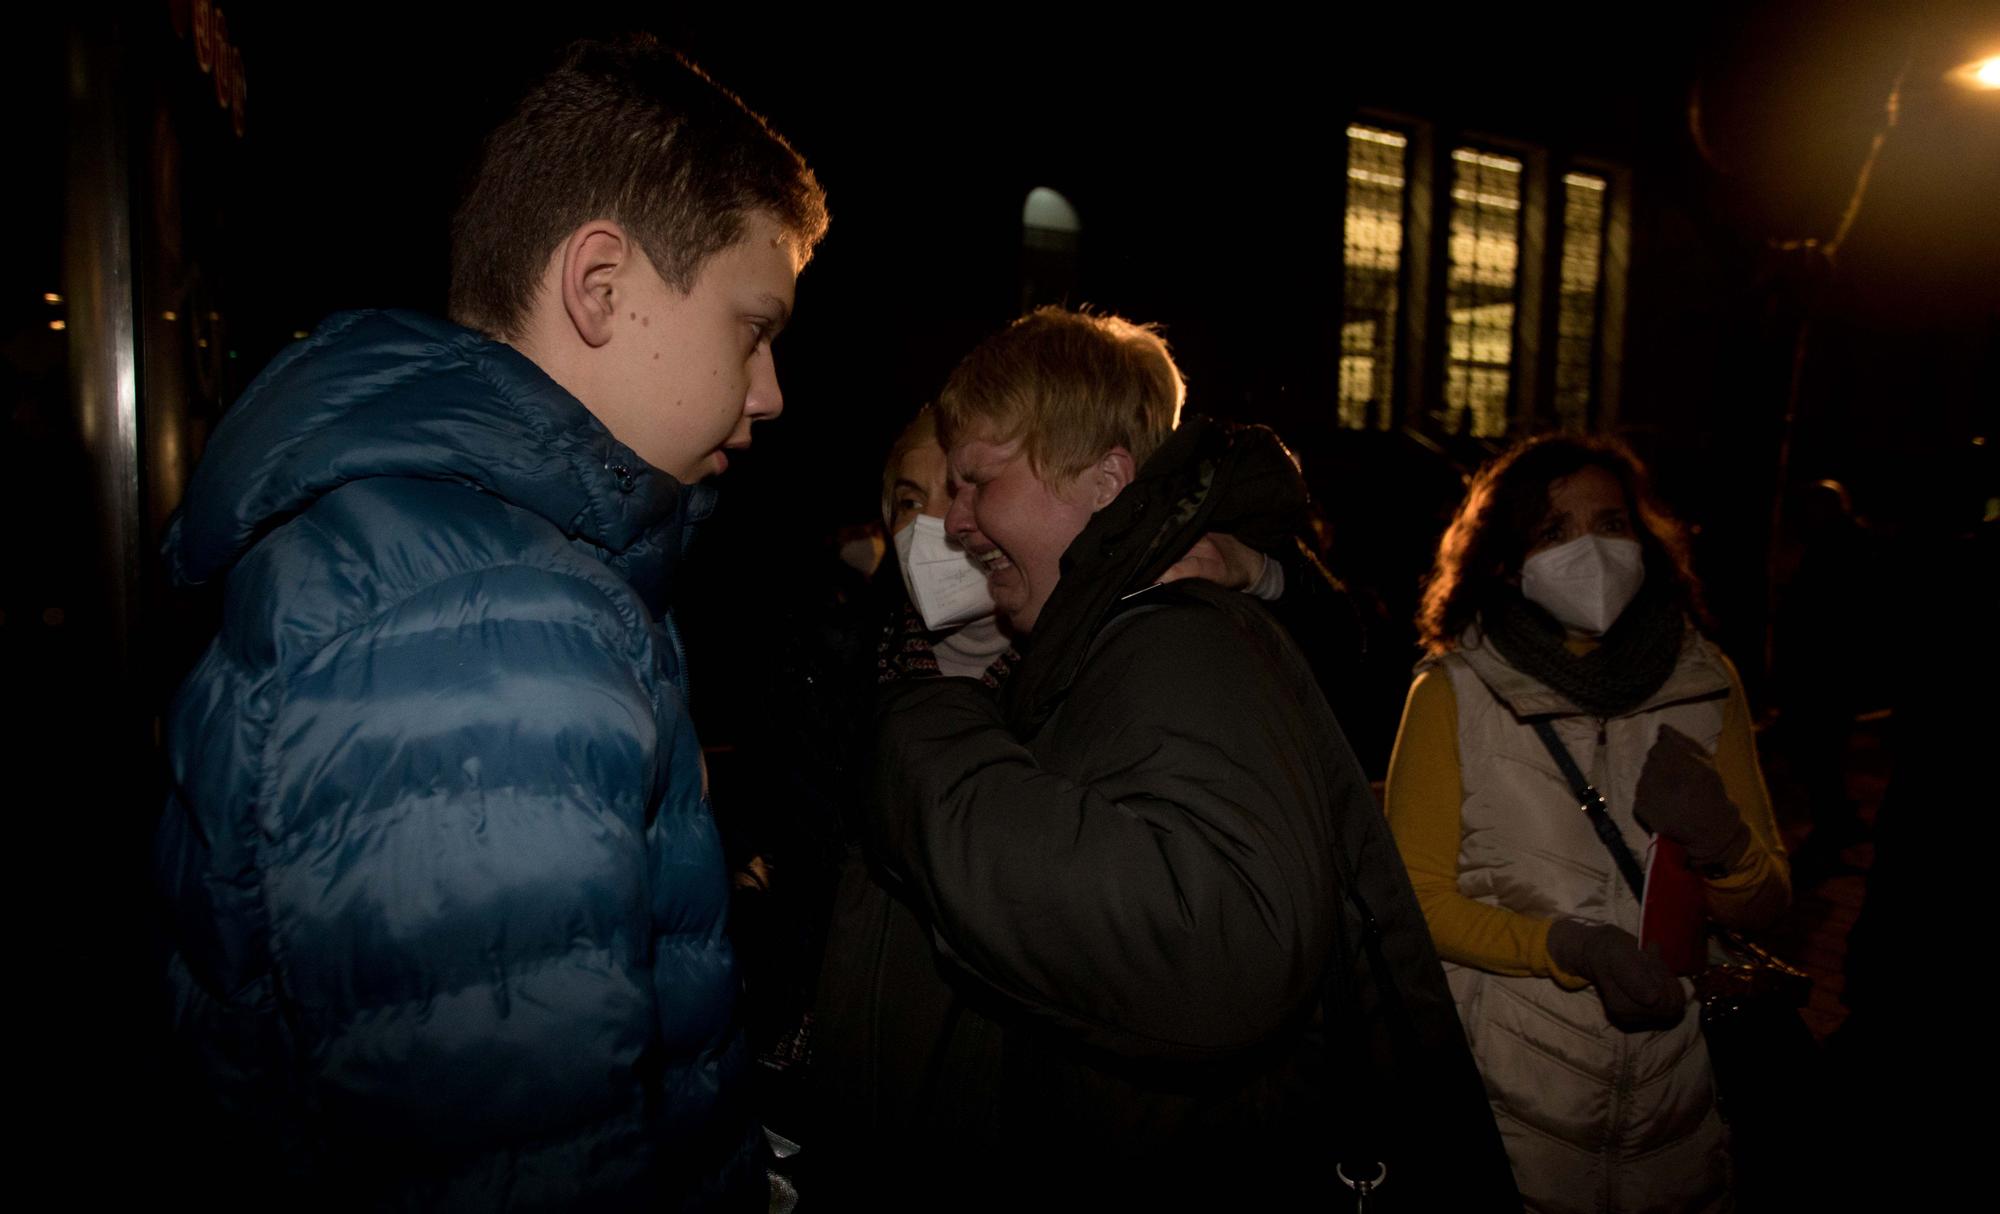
x=1070 y=386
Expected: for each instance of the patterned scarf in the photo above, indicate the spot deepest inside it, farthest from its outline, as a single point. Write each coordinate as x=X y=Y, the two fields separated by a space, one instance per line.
x=905 y=652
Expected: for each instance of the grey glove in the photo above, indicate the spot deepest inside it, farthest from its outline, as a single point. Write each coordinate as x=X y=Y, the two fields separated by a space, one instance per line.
x=1681 y=796
x=1636 y=987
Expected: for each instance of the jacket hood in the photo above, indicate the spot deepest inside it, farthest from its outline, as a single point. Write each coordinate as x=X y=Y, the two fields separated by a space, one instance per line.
x=1208 y=476
x=401 y=394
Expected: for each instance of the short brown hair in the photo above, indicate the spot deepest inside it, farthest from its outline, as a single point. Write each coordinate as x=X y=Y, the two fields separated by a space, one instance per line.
x=1490 y=535
x=1070 y=386
x=630 y=131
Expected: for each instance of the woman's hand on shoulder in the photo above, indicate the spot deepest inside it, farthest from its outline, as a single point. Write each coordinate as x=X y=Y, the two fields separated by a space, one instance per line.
x=1222 y=559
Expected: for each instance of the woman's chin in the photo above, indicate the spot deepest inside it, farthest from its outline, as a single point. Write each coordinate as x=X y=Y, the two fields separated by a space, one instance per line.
x=1017 y=615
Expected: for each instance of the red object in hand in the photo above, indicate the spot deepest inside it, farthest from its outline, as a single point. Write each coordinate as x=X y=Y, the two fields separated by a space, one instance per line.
x=1673 y=914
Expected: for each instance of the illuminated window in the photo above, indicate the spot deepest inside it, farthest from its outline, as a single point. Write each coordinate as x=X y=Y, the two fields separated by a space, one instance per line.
x=1485 y=251
x=1372 y=254
x=1576 y=302
x=1483 y=285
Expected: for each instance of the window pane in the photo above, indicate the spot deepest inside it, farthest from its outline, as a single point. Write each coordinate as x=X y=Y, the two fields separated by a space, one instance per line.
x=1485 y=255
x=1373 y=253
x=1576 y=310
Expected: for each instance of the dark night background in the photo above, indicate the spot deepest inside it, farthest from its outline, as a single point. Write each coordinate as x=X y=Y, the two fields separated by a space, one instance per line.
x=1205 y=157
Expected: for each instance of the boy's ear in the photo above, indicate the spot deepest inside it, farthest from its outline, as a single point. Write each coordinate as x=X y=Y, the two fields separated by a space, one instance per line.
x=1114 y=470
x=591 y=259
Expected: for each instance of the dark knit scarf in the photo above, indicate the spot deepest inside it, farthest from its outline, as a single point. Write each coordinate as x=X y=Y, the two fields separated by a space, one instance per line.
x=1634 y=658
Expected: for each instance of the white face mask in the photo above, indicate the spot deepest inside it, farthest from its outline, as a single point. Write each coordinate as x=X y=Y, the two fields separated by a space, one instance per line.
x=1588 y=582
x=947 y=587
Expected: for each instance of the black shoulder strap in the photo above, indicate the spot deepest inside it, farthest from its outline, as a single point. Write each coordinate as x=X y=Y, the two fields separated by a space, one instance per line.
x=1591 y=802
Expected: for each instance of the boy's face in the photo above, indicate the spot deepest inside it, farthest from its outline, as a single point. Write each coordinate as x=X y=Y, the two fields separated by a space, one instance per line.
x=1015 y=524
x=690 y=372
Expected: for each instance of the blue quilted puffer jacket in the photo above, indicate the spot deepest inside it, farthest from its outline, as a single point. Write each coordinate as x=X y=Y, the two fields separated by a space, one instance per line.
x=445 y=898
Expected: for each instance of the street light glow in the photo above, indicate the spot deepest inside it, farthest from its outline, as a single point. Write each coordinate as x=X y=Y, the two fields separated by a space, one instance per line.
x=1979 y=74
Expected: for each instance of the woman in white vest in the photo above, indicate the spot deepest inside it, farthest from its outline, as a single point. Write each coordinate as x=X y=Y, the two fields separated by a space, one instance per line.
x=1562 y=597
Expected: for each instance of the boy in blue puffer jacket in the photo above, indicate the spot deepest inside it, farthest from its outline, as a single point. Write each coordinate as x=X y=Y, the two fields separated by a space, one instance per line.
x=444 y=899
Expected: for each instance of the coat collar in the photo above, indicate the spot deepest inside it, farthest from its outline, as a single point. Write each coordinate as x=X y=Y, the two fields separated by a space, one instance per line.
x=1697 y=675
x=1206 y=477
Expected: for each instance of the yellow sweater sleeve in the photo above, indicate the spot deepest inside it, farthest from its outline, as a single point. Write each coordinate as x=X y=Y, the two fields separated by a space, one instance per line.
x=1754 y=892
x=1422 y=799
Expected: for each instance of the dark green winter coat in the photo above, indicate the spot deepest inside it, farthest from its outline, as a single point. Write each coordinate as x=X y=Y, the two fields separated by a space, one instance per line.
x=1135 y=928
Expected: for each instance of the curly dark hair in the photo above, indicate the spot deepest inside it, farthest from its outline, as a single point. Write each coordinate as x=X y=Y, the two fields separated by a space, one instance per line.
x=1504 y=506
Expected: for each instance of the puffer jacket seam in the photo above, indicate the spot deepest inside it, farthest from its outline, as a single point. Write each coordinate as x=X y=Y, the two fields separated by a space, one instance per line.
x=448 y=984
x=299 y=1077
x=255 y=838
x=1694 y=1128
x=633 y=623
x=1691 y=1043
x=1513 y=1115
x=1542 y=1052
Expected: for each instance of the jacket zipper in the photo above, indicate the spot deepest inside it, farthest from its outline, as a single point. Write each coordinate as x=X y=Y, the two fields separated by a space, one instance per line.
x=1621 y=1092
x=1620 y=1097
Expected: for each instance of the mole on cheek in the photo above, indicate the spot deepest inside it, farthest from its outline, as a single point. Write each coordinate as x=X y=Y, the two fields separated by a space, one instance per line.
x=656 y=356
x=645 y=322
x=635 y=316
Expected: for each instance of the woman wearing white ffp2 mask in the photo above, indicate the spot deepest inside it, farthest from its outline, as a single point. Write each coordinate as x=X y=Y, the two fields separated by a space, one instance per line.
x=946 y=587
x=1562 y=595
x=1587 y=582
